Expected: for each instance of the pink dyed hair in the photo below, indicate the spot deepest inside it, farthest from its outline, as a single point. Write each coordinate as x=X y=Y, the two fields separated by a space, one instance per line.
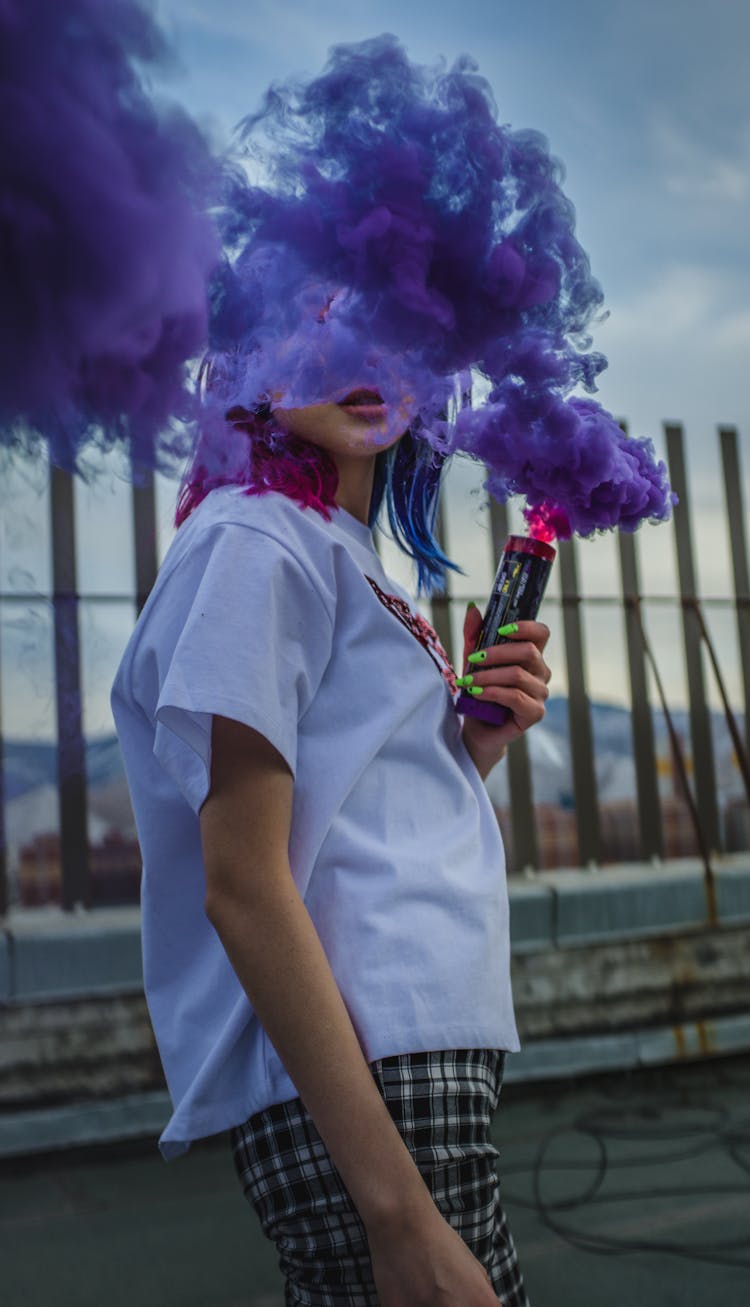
x=299 y=469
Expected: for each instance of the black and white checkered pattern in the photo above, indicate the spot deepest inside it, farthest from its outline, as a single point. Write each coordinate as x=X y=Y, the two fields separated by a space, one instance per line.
x=442 y=1104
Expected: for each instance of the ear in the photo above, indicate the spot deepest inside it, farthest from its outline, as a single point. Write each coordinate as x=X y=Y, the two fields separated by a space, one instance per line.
x=472 y=627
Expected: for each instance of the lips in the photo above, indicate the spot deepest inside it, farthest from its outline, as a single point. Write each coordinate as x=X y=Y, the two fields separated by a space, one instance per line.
x=361 y=398
x=364 y=405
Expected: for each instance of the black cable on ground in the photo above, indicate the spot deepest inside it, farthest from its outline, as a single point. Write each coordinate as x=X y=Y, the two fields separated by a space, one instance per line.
x=645 y=1115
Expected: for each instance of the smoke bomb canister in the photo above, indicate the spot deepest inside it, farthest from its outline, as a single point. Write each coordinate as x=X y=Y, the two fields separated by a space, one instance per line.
x=516 y=595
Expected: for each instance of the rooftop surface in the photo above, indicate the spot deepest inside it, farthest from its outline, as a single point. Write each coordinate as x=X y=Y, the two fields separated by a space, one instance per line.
x=631 y=1187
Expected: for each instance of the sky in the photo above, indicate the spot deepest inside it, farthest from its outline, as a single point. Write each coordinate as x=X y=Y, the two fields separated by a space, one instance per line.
x=648 y=107
x=646 y=104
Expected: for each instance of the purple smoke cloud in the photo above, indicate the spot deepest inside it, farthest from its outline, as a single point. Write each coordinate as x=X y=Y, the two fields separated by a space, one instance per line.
x=571 y=461
x=379 y=225
x=391 y=232
x=105 y=247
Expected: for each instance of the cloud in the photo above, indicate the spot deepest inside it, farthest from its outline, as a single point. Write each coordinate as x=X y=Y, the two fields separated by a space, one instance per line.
x=696 y=168
x=267 y=24
x=231 y=18
x=677 y=350
x=684 y=298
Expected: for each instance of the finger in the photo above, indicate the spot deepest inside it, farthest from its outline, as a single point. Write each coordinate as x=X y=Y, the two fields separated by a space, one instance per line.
x=515 y=677
x=527 y=709
x=537 y=632
x=525 y=654
x=472 y=627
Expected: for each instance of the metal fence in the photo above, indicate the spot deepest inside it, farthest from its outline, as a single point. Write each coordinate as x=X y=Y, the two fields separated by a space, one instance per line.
x=74 y=872
x=649 y=811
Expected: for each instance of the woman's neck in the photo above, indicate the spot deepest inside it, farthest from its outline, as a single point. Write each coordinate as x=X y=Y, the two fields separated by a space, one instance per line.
x=356 y=480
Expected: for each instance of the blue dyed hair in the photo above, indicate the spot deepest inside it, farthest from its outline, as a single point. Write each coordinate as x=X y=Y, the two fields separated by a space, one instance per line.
x=408 y=476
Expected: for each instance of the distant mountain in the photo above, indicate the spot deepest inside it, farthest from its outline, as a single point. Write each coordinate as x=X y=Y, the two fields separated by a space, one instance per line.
x=103 y=760
x=611 y=725
x=30 y=770
x=28 y=764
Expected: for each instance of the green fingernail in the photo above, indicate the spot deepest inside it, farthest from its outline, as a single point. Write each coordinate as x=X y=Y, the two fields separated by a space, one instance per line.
x=464 y=680
x=475 y=689
x=507 y=630
x=478 y=657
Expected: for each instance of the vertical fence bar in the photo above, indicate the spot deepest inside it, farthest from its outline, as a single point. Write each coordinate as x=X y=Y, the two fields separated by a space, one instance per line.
x=71 y=752
x=525 y=844
x=704 y=771
x=644 y=751
x=579 y=712
x=738 y=546
x=440 y=605
x=3 y=833
x=144 y=537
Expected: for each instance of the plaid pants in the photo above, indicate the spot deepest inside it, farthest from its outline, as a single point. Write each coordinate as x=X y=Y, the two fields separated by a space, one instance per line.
x=442 y=1104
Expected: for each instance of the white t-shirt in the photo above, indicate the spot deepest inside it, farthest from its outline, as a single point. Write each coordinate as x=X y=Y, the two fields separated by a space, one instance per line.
x=264 y=612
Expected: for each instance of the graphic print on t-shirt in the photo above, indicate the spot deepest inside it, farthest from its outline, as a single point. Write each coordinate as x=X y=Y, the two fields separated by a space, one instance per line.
x=420 y=629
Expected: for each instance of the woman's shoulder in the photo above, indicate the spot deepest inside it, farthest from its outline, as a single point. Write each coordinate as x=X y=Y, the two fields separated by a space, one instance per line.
x=332 y=555
x=276 y=520
x=267 y=511
x=264 y=537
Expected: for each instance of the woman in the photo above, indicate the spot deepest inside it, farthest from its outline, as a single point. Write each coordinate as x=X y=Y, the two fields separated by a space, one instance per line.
x=317 y=839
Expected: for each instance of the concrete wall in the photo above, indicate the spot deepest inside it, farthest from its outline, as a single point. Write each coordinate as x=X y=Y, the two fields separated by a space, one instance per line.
x=609 y=968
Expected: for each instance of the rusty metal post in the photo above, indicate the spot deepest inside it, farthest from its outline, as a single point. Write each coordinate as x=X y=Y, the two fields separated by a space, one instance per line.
x=3 y=835
x=738 y=547
x=644 y=752
x=144 y=537
x=642 y=726
x=579 y=712
x=704 y=770
x=71 y=751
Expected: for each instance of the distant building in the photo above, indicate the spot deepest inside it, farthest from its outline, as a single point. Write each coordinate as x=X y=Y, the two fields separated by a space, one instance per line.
x=115 y=870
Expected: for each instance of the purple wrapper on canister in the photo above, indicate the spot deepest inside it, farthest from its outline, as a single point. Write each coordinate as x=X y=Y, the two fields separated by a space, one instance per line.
x=516 y=595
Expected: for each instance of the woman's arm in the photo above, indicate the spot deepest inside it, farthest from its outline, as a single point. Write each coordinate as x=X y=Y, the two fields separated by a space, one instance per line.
x=271 y=941
x=273 y=946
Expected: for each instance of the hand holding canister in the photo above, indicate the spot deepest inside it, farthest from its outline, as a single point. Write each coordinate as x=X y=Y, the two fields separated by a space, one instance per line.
x=516 y=596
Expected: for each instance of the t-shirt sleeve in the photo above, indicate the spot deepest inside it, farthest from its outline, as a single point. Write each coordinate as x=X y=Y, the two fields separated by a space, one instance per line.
x=254 y=646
